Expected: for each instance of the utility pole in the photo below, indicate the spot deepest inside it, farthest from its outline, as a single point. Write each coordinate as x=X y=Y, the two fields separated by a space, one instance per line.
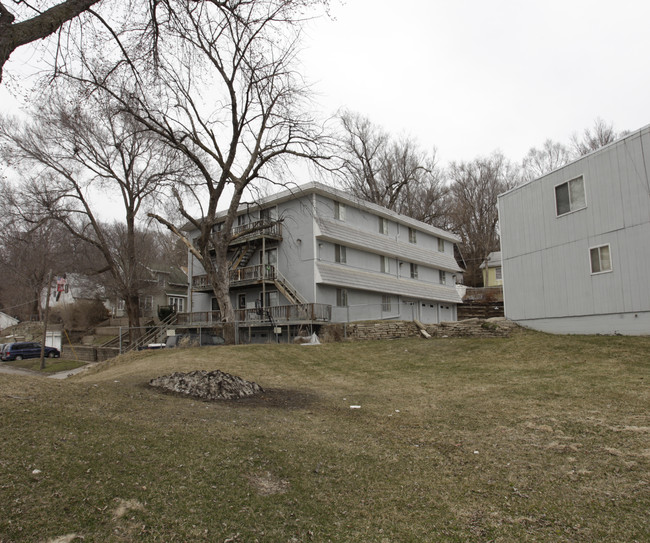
x=47 y=314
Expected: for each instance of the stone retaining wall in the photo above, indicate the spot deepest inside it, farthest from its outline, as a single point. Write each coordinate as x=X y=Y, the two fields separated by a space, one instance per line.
x=361 y=331
x=88 y=354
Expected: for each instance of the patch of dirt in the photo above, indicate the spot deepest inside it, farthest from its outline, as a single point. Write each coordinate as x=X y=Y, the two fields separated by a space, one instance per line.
x=68 y=538
x=267 y=484
x=124 y=506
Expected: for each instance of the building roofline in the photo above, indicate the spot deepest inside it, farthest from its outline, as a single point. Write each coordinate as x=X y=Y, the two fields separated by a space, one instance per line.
x=314 y=187
x=633 y=134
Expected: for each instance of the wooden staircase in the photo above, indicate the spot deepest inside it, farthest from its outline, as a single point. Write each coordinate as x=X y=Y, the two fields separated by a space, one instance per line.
x=288 y=290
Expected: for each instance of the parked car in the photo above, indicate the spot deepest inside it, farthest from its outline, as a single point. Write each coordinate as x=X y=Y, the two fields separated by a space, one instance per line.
x=27 y=349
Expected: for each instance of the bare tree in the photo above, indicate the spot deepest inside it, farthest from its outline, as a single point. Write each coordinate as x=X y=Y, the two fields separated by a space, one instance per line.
x=594 y=138
x=228 y=96
x=392 y=173
x=37 y=20
x=539 y=162
x=72 y=157
x=475 y=186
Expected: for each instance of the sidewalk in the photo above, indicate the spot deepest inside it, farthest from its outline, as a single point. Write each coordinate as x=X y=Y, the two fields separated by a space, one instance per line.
x=59 y=375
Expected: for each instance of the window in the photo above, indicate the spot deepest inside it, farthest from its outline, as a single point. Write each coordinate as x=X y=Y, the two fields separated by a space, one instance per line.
x=269 y=214
x=339 y=211
x=570 y=196
x=383 y=226
x=498 y=273
x=384 y=264
x=441 y=245
x=412 y=235
x=385 y=302
x=177 y=303
x=242 y=220
x=241 y=301
x=442 y=276
x=340 y=254
x=341 y=297
x=600 y=259
x=271 y=299
x=414 y=271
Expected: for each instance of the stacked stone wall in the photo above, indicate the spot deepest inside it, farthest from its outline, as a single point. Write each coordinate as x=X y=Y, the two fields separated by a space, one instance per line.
x=363 y=331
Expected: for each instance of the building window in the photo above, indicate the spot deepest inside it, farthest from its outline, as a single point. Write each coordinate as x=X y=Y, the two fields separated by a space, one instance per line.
x=340 y=254
x=441 y=245
x=341 y=297
x=412 y=235
x=177 y=303
x=600 y=259
x=384 y=264
x=498 y=273
x=241 y=301
x=385 y=302
x=442 y=276
x=570 y=196
x=383 y=226
x=339 y=211
x=242 y=220
x=414 y=271
x=271 y=299
x=269 y=214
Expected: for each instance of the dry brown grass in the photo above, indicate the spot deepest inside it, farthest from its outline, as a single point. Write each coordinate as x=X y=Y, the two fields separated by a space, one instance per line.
x=532 y=438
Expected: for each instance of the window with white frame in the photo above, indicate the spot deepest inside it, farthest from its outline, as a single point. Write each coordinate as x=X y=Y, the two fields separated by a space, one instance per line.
x=383 y=226
x=341 y=297
x=442 y=277
x=601 y=260
x=414 y=271
x=340 y=254
x=412 y=235
x=269 y=214
x=441 y=245
x=339 y=211
x=570 y=196
x=384 y=264
x=177 y=302
x=385 y=302
x=498 y=274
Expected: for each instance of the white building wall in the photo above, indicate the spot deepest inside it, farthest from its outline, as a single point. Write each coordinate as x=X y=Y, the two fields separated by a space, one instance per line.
x=548 y=282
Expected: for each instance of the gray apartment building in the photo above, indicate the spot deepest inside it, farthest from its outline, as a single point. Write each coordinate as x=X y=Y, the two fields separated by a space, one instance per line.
x=326 y=256
x=575 y=244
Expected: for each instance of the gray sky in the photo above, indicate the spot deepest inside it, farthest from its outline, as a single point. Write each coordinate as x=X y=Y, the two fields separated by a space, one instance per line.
x=471 y=76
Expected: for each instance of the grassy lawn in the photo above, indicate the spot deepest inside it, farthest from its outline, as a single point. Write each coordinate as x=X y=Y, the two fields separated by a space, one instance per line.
x=530 y=438
x=52 y=365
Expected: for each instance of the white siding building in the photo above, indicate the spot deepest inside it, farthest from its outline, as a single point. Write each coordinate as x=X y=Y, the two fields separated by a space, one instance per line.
x=350 y=259
x=576 y=244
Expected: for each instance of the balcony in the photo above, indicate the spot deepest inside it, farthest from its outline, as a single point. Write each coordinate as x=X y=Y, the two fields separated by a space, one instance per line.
x=257 y=230
x=250 y=275
x=281 y=314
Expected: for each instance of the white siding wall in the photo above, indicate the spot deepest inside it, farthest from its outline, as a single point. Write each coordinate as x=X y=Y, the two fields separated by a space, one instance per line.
x=546 y=265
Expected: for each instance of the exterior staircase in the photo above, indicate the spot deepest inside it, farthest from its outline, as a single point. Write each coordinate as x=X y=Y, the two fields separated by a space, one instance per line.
x=157 y=334
x=288 y=290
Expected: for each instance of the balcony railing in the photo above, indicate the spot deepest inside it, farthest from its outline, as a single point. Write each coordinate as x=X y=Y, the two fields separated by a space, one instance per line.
x=271 y=229
x=241 y=276
x=281 y=314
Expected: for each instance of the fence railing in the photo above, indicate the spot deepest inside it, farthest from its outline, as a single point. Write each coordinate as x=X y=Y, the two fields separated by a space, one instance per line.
x=278 y=313
x=249 y=274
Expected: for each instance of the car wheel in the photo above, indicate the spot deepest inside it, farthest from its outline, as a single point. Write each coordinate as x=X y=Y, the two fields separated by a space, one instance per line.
x=18 y=357
x=51 y=354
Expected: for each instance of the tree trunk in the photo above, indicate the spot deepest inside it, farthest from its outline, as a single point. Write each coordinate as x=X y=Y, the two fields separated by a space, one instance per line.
x=132 y=303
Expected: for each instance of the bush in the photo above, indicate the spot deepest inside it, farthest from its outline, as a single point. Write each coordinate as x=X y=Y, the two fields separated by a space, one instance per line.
x=80 y=315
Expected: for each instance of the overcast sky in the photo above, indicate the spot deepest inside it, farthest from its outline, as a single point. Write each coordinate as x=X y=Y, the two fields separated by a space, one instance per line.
x=471 y=76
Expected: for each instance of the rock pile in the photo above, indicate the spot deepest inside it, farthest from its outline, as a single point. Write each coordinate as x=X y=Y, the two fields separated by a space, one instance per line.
x=207 y=385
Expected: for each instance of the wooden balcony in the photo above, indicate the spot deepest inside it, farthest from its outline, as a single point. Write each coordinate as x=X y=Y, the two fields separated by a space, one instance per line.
x=280 y=314
x=250 y=275
x=257 y=230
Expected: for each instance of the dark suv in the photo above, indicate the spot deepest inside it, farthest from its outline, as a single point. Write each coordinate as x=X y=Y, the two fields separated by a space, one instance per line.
x=26 y=349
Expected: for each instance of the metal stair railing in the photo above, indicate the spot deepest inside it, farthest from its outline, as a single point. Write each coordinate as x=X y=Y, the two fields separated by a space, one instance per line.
x=158 y=331
x=288 y=289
